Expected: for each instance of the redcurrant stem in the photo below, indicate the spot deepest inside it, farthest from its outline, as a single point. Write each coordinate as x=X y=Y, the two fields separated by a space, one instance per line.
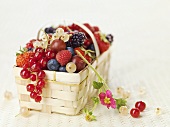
x=98 y=75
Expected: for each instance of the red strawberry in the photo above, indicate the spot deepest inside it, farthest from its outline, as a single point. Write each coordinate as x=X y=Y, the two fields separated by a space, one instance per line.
x=84 y=53
x=103 y=45
x=89 y=27
x=63 y=57
x=96 y=28
x=87 y=42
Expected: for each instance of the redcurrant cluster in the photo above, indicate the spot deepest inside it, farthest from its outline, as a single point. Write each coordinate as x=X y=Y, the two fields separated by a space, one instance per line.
x=33 y=70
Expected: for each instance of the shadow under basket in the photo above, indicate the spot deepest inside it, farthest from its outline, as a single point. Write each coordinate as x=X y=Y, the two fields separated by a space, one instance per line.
x=65 y=93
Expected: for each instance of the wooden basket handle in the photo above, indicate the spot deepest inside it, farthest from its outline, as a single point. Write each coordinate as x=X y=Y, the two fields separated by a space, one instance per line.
x=88 y=31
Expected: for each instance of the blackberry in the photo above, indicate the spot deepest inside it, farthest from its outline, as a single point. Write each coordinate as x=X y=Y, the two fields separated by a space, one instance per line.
x=77 y=39
x=109 y=37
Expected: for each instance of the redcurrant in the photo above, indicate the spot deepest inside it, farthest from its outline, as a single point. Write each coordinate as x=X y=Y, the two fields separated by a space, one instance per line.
x=38 y=90
x=25 y=66
x=33 y=95
x=30 y=87
x=33 y=77
x=35 y=67
x=41 y=74
x=41 y=83
x=25 y=73
x=140 y=105
x=134 y=112
x=43 y=62
x=38 y=55
x=38 y=99
x=50 y=54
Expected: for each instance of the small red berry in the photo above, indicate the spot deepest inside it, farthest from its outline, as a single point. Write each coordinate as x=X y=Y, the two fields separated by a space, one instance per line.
x=25 y=73
x=38 y=90
x=38 y=55
x=41 y=83
x=35 y=67
x=25 y=66
x=30 y=87
x=134 y=112
x=43 y=62
x=140 y=105
x=33 y=95
x=38 y=99
x=39 y=49
x=32 y=77
x=41 y=74
x=50 y=54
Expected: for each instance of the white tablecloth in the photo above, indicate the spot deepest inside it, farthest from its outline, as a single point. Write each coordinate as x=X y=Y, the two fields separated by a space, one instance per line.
x=140 y=57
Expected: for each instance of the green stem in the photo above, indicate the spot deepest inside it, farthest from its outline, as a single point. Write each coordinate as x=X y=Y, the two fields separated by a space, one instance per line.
x=98 y=75
x=94 y=107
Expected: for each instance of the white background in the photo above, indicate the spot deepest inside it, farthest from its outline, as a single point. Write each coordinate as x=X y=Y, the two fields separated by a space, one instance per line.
x=141 y=53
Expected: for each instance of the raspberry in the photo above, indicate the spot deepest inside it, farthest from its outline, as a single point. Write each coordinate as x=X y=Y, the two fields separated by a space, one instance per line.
x=23 y=58
x=77 y=39
x=63 y=57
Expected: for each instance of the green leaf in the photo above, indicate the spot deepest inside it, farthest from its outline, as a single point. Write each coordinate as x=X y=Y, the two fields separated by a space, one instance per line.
x=97 y=85
x=95 y=100
x=120 y=102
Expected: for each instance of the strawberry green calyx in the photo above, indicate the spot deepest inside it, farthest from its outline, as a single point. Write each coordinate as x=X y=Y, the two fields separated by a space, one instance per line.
x=103 y=37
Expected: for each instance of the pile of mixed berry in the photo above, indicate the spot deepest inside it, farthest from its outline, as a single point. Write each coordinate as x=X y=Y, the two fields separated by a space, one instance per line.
x=56 y=51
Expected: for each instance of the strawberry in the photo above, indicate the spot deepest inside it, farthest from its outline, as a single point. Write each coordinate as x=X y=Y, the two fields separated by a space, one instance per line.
x=89 y=27
x=63 y=57
x=102 y=42
x=85 y=53
x=87 y=42
x=96 y=28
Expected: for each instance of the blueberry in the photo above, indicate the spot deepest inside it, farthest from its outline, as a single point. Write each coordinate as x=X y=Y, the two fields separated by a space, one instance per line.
x=30 y=49
x=47 y=30
x=62 y=69
x=53 y=65
x=91 y=47
x=71 y=50
x=51 y=30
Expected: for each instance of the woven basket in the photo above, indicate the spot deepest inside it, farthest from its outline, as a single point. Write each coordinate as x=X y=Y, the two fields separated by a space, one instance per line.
x=65 y=93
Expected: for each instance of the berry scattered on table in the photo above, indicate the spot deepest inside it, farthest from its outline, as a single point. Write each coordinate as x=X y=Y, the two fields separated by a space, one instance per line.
x=140 y=105
x=134 y=112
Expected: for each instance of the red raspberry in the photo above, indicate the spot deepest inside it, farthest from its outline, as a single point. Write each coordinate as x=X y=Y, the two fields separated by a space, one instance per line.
x=63 y=57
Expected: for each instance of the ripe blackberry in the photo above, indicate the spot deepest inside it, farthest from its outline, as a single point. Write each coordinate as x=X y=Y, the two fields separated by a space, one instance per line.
x=109 y=37
x=77 y=39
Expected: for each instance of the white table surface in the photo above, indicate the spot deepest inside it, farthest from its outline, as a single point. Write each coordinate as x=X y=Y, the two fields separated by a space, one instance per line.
x=140 y=58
